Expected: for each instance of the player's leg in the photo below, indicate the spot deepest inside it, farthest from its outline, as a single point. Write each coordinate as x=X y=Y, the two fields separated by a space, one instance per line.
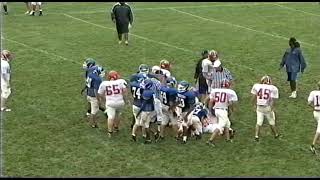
x=137 y=123
x=40 y=9
x=259 y=123
x=5 y=7
x=33 y=6
x=316 y=115
x=292 y=77
x=164 y=123
x=88 y=108
x=110 y=120
x=126 y=38
x=5 y=93
x=117 y=120
x=271 y=118
x=118 y=27
x=146 y=118
x=28 y=6
x=94 y=110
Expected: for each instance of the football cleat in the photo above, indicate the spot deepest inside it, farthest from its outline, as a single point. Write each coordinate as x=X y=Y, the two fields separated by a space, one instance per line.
x=313 y=149
x=134 y=138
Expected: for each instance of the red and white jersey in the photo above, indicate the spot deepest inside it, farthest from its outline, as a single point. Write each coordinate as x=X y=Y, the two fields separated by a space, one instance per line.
x=113 y=90
x=265 y=93
x=5 y=72
x=223 y=97
x=314 y=98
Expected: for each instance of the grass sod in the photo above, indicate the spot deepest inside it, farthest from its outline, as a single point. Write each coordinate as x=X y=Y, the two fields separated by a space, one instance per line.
x=46 y=134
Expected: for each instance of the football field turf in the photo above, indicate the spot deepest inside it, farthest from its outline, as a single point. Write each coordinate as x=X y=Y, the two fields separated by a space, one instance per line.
x=46 y=133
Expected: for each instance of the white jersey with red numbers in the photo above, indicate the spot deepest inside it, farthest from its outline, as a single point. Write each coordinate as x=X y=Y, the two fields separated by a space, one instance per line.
x=265 y=93
x=223 y=97
x=314 y=98
x=113 y=91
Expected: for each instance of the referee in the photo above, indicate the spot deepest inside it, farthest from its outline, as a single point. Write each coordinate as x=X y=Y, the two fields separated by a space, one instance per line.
x=121 y=15
x=219 y=74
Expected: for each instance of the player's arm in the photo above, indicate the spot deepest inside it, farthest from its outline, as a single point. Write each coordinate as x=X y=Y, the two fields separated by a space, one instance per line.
x=113 y=17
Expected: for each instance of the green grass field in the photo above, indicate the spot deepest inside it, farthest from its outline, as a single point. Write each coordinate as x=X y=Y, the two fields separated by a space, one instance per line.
x=46 y=133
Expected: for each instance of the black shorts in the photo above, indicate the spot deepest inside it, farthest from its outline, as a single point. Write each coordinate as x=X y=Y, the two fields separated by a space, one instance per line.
x=292 y=76
x=203 y=87
x=122 y=27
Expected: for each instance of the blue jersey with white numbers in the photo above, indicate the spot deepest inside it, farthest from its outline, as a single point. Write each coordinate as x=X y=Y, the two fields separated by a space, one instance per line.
x=89 y=70
x=201 y=113
x=93 y=82
x=136 y=92
x=147 y=101
x=168 y=95
x=186 y=100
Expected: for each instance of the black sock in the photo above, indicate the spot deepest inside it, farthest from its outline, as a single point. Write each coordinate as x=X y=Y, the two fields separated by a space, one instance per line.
x=102 y=109
x=293 y=85
x=89 y=111
x=120 y=37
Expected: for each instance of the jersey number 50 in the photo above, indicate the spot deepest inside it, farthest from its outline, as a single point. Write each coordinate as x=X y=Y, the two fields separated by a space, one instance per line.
x=220 y=97
x=114 y=89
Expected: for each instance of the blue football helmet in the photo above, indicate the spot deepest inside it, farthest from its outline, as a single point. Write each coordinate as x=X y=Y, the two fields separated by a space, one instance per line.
x=88 y=63
x=183 y=86
x=199 y=106
x=171 y=81
x=143 y=68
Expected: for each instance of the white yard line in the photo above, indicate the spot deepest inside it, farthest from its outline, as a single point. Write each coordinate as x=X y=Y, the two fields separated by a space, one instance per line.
x=160 y=8
x=242 y=27
x=44 y=51
x=150 y=40
x=297 y=10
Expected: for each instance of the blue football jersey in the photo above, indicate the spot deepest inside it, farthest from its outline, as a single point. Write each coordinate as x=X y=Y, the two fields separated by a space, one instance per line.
x=88 y=71
x=147 y=100
x=186 y=100
x=136 y=92
x=201 y=113
x=168 y=95
x=93 y=82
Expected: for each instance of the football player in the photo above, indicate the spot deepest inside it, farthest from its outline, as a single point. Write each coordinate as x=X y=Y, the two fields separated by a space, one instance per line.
x=147 y=110
x=6 y=58
x=168 y=98
x=263 y=99
x=114 y=91
x=220 y=101
x=34 y=6
x=314 y=102
x=89 y=65
x=136 y=91
x=198 y=114
x=93 y=82
x=186 y=101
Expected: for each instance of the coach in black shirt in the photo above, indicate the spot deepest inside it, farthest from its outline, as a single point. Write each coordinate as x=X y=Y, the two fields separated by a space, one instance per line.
x=202 y=83
x=121 y=14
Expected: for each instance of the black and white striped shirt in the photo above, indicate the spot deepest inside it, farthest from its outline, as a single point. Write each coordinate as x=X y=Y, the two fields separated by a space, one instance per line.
x=218 y=76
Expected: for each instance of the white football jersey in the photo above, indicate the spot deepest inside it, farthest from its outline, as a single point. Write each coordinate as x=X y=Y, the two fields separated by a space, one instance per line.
x=166 y=72
x=265 y=93
x=5 y=72
x=223 y=97
x=206 y=66
x=314 y=98
x=113 y=90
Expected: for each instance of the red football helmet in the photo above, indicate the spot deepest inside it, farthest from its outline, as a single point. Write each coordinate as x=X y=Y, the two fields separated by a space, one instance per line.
x=266 y=80
x=165 y=64
x=113 y=75
x=213 y=55
x=225 y=83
